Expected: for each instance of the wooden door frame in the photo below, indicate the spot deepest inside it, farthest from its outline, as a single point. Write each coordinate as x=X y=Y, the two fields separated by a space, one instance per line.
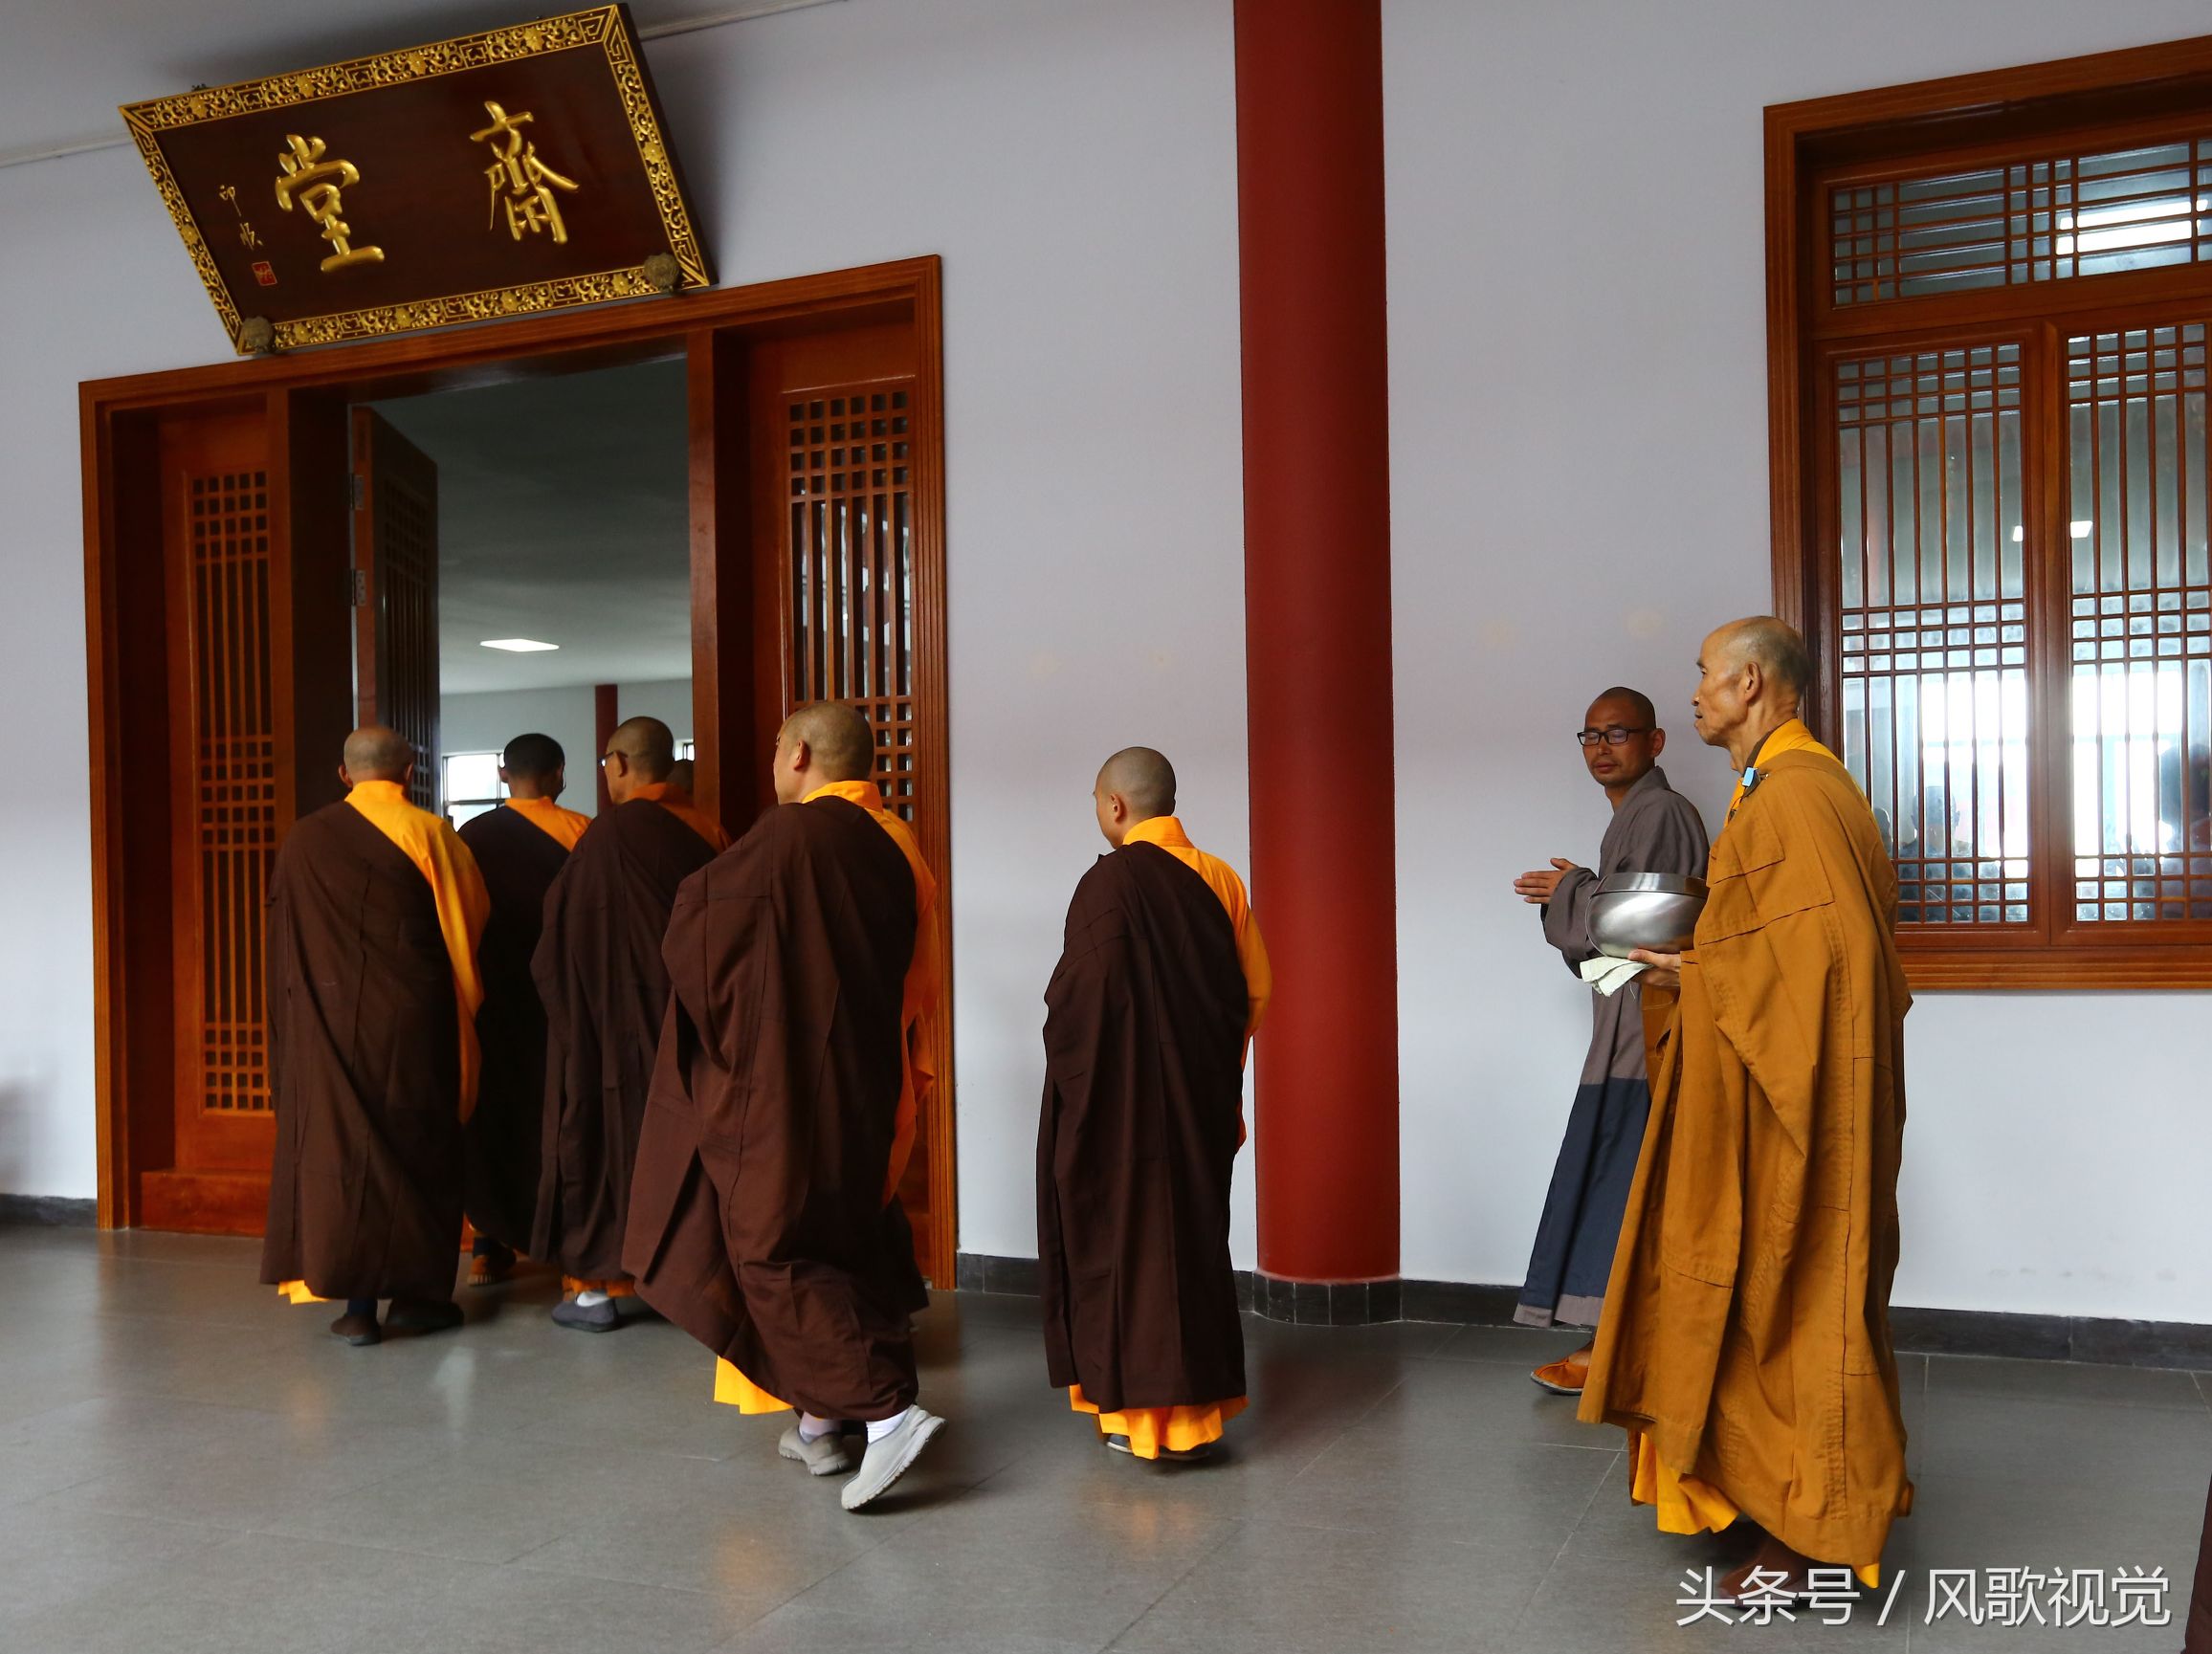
x=117 y=423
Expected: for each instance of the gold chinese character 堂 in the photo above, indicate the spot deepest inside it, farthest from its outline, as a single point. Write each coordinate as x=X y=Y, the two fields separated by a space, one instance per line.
x=314 y=184
x=527 y=181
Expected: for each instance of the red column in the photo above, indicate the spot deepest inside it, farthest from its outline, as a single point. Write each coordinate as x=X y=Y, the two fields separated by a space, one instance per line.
x=606 y=718
x=1316 y=474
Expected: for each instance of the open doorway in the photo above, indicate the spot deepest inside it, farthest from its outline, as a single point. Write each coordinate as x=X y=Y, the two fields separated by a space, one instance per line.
x=561 y=566
x=264 y=569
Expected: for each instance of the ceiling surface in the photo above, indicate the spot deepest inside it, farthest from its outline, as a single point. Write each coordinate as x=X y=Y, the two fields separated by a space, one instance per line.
x=563 y=516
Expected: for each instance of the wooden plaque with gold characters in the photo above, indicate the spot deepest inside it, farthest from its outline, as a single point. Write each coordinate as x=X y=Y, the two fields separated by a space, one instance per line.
x=500 y=175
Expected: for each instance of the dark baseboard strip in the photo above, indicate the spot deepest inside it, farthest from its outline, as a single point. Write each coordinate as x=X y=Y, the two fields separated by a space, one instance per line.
x=2108 y=1342
x=53 y=1209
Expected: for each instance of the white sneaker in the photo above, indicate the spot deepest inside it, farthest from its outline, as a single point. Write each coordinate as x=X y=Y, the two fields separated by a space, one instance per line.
x=888 y=1460
x=824 y=1456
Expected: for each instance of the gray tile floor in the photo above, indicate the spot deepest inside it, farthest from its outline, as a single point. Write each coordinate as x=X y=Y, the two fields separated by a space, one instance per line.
x=186 y=1464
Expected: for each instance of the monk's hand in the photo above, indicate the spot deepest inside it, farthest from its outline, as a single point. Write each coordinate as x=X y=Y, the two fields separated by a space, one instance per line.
x=1665 y=970
x=1540 y=886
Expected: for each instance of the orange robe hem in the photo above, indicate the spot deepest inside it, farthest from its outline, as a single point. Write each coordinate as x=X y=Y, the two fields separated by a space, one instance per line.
x=1178 y=1430
x=1684 y=1505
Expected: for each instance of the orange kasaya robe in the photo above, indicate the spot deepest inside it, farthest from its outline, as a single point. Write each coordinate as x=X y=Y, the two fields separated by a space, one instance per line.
x=564 y=825
x=1183 y=1428
x=463 y=907
x=678 y=803
x=920 y=1003
x=1745 y=1346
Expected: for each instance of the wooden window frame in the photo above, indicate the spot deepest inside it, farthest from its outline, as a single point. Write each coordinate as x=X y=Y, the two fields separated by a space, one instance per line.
x=1811 y=144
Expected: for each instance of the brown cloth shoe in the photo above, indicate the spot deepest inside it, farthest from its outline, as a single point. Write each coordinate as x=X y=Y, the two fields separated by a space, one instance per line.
x=358 y=1329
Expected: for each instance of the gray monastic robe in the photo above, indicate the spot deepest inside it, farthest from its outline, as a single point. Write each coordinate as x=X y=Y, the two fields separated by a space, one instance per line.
x=1656 y=830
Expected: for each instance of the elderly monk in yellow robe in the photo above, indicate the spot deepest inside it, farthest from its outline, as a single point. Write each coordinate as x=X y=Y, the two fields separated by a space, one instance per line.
x=375 y=909
x=1745 y=1345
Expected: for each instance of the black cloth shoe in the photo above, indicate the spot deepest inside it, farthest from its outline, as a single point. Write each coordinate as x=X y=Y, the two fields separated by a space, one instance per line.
x=585 y=1318
x=357 y=1330
x=422 y=1315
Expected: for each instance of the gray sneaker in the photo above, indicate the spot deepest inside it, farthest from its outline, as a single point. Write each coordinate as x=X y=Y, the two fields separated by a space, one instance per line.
x=888 y=1460
x=822 y=1456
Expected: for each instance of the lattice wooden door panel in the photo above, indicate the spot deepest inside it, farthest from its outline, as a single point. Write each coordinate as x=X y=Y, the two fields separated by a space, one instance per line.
x=849 y=555
x=395 y=558
x=225 y=795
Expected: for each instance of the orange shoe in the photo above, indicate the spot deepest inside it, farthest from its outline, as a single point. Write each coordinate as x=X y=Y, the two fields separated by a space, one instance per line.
x=1562 y=1378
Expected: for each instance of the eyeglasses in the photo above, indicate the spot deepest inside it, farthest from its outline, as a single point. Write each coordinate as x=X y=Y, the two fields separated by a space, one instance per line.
x=1612 y=735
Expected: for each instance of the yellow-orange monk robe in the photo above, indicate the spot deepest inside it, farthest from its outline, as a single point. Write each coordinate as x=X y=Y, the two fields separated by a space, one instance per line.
x=1148 y=1430
x=677 y=802
x=463 y=907
x=564 y=825
x=919 y=1005
x=1790 y=736
x=1186 y=1427
x=458 y=887
x=1745 y=1345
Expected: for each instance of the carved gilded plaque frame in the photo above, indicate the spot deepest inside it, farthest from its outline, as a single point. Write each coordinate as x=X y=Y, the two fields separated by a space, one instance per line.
x=256 y=169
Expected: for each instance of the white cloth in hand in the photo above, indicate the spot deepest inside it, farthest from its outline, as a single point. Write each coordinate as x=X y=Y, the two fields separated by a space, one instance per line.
x=1608 y=974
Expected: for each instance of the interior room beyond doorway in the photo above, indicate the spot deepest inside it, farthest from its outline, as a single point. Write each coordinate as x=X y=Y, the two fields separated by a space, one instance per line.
x=563 y=588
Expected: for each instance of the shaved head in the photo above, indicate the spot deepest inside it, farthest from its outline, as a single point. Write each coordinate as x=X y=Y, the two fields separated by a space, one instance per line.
x=375 y=753
x=840 y=745
x=1635 y=700
x=1144 y=778
x=1773 y=645
x=1751 y=678
x=648 y=743
x=533 y=756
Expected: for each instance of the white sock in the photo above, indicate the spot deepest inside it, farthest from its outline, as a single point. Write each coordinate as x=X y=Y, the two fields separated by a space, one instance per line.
x=878 y=1428
x=813 y=1429
x=588 y=1299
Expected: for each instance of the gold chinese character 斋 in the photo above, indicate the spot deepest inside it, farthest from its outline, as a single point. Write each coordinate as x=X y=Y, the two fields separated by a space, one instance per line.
x=313 y=184
x=528 y=182
x=246 y=236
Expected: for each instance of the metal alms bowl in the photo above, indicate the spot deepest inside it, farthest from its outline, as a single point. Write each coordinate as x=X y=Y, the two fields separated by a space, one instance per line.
x=1656 y=911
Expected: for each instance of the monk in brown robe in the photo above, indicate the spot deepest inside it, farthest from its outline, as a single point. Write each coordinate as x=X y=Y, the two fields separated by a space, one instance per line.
x=521 y=849
x=600 y=977
x=765 y=1220
x=1163 y=978
x=1745 y=1345
x=375 y=909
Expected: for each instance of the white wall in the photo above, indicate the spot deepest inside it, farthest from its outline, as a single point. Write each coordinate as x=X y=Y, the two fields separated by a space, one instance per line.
x=1579 y=442
x=127 y=303
x=487 y=720
x=1073 y=163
